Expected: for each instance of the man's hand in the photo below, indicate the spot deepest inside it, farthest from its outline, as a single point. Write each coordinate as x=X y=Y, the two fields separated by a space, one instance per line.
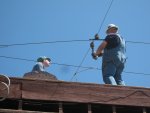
x=94 y=55
x=100 y=55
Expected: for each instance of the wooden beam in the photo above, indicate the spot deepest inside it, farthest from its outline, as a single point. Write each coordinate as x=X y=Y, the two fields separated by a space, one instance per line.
x=20 y=105
x=21 y=111
x=114 y=109
x=61 y=91
x=89 y=108
x=60 y=108
x=144 y=110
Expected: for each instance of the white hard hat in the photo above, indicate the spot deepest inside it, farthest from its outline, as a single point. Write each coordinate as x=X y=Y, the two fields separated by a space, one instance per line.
x=112 y=26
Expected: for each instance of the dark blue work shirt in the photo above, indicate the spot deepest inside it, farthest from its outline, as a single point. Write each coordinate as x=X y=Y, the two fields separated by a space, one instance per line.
x=112 y=41
x=38 y=67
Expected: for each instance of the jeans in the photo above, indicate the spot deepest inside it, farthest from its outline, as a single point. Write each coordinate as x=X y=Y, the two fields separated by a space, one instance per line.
x=112 y=73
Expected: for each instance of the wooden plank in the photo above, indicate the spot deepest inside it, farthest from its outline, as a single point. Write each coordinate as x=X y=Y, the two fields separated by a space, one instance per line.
x=79 y=92
x=89 y=108
x=76 y=92
x=114 y=109
x=21 y=111
x=14 y=91
x=144 y=110
x=20 y=105
x=60 y=108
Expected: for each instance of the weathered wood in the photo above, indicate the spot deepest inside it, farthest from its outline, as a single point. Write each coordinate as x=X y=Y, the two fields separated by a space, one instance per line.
x=89 y=108
x=60 y=108
x=114 y=109
x=89 y=93
x=14 y=91
x=144 y=110
x=21 y=111
x=20 y=105
x=61 y=91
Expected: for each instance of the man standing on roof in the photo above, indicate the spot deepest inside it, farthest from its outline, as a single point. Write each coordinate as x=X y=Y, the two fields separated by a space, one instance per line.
x=42 y=62
x=112 y=50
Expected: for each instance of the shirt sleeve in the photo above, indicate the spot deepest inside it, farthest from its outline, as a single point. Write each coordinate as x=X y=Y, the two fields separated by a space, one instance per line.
x=107 y=38
x=112 y=41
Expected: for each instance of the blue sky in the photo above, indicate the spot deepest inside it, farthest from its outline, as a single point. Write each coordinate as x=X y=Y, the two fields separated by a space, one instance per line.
x=24 y=21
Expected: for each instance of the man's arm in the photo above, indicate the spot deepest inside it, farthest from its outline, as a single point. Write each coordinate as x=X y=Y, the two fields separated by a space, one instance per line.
x=99 y=51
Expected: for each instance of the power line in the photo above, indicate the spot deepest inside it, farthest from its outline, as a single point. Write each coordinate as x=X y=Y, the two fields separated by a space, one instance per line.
x=29 y=60
x=136 y=73
x=137 y=42
x=64 y=41
x=80 y=64
x=38 y=43
x=90 y=48
x=75 y=66
x=18 y=58
x=105 y=16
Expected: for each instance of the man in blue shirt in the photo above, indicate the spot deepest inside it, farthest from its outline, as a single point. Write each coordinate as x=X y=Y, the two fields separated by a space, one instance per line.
x=42 y=62
x=38 y=71
x=112 y=50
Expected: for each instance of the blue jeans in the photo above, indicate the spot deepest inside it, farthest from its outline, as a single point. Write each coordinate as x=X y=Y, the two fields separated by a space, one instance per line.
x=112 y=73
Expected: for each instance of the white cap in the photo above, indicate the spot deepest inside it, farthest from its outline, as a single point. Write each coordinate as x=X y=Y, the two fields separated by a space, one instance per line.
x=112 y=26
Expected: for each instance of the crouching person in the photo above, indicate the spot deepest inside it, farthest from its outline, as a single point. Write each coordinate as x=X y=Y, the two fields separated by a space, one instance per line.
x=38 y=71
x=42 y=63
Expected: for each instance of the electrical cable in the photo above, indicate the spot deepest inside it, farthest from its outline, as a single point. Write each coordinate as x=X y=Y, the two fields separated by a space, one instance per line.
x=136 y=42
x=90 y=48
x=75 y=66
x=29 y=60
x=17 y=58
x=65 y=41
x=105 y=16
x=80 y=64
x=38 y=43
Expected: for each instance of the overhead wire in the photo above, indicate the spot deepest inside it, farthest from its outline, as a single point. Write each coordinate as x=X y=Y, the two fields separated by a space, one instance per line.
x=80 y=64
x=63 y=41
x=37 y=43
x=17 y=58
x=29 y=60
x=112 y=99
x=85 y=68
x=105 y=16
x=68 y=41
x=90 y=48
x=137 y=42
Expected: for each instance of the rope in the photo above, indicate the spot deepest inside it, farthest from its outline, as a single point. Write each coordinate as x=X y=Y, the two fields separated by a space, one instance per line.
x=6 y=85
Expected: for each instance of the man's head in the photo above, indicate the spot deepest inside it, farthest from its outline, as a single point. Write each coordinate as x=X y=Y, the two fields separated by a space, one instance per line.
x=45 y=60
x=112 y=28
